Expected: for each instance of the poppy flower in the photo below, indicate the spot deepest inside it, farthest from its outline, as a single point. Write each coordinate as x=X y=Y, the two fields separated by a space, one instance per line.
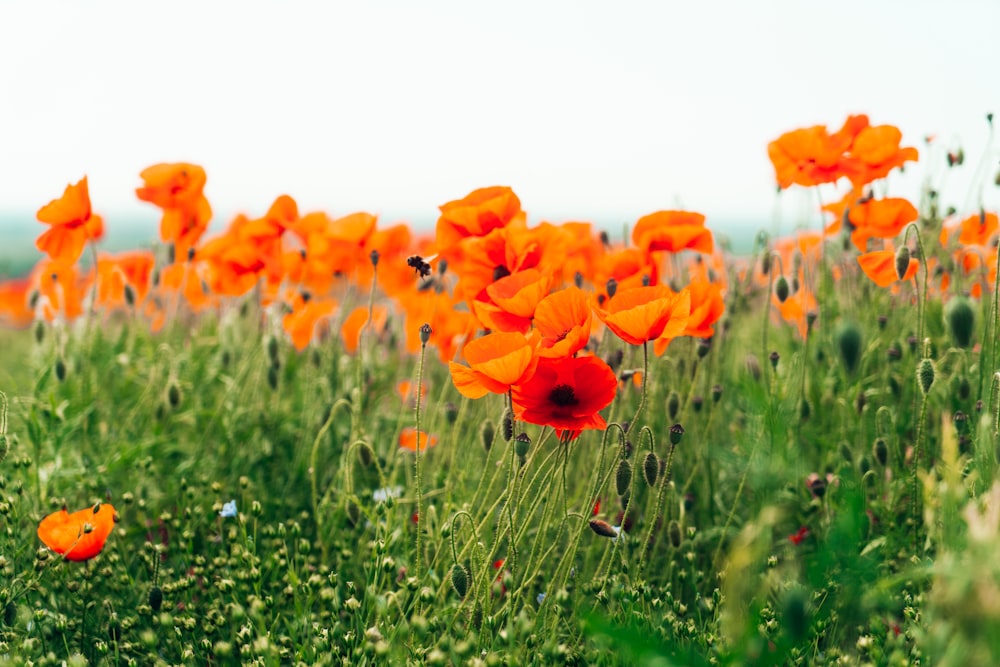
x=476 y=214
x=300 y=324
x=978 y=229
x=131 y=270
x=878 y=151
x=511 y=301
x=410 y=439
x=496 y=362
x=566 y=394
x=78 y=536
x=563 y=319
x=14 y=308
x=880 y=218
x=355 y=323
x=672 y=231
x=73 y=224
x=642 y=314
x=811 y=156
x=880 y=266
x=177 y=189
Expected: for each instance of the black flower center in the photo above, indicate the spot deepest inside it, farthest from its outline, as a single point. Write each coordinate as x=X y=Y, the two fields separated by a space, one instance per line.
x=563 y=395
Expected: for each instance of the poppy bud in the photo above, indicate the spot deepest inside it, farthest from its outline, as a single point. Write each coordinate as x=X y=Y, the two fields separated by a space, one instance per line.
x=964 y=389
x=174 y=395
x=459 y=580
x=894 y=353
x=521 y=444
x=272 y=377
x=961 y=320
x=623 y=477
x=848 y=337
x=774 y=357
x=373 y=256
x=696 y=402
x=674 y=533
x=603 y=528
x=425 y=333
x=765 y=264
x=451 y=412
x=716 y=393
x=811 y=319
x=578 y=279
x=703 y=348
x=155 y=598
x=902 y=261
x=486 y=434
x=651 y=468
x=846 y=453
x=10 y=614
x=961 y=421
x=272 y=348
x=39 y=331
x=781 y=289
x=129 y=292
x=508 y=425
x=882 y=321
x=673 y=405
x=925 y=375
x=60 y=369
x=816 y=485
x=676 y=431
x=880 y=450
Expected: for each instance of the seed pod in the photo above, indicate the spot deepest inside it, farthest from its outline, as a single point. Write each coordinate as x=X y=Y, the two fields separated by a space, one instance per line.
x=623 y=477
x=676 y=432
x=781 y=289
x=674 y=533
x=902 y=261
x=425 y=333
x=651 y=468
x=459 y=580
x=925 y=375
x=521 y=444
x=961 y=320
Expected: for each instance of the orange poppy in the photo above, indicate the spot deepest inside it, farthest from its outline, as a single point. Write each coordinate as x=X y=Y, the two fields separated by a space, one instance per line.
x=300 y=324
x=563 y=319
x=877 y=150
x=177 y=189
x=354 y=324
x=115 y=273
x=476 y=214
x=811 y=156
x=880 y=266
x=978 y=229
x=14 y=308
x=880 y=218
x=78 y=536
x=73 y=224
x=567 y=394
x=496 y=362
x=406 y=390
x=410 y=439
x=642 y=314
x=511 y=301
x=796 y=309
x=672 y=231
x=707 y=307
x=59 y=288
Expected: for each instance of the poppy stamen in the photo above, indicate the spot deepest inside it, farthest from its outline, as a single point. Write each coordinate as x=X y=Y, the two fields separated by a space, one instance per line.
x=563 y=396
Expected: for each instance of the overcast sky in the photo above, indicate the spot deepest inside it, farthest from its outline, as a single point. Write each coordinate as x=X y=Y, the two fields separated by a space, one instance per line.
x=589 y=110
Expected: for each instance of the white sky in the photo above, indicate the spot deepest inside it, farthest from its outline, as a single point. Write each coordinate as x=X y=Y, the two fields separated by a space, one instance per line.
x=590 y=110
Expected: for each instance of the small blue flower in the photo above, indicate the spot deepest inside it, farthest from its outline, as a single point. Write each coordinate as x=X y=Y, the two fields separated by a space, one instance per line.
x=541 y=598
x=228 y=510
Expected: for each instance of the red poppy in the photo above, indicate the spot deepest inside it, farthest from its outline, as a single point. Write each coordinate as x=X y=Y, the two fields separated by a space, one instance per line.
x=567 y=394
x=880 y=218
x=880 y=266
x=78 y=536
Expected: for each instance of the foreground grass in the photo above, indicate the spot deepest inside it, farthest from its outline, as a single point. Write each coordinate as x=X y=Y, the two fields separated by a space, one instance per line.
x=818 y=508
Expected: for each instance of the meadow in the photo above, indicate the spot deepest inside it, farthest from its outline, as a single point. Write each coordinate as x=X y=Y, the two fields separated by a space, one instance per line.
x=314 y=440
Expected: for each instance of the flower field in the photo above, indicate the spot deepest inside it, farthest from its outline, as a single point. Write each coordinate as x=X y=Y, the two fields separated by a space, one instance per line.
x=316 y=440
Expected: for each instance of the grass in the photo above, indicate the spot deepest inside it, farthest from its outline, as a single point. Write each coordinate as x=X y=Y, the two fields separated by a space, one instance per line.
x=731 y=552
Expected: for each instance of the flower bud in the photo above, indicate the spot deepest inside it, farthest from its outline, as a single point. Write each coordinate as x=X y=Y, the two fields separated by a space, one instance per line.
x=849 y=343
x=623 y=477
x=925 y=375
x=521 y=444
x=486 y=434
x=781 y=289
x=460 y=580
x=961 y=319
x=902 y=261
x=603 y=528
x=651 y=468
